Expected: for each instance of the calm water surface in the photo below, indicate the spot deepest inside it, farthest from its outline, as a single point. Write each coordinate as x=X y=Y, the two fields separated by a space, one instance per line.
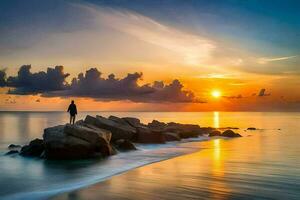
x=264 y=164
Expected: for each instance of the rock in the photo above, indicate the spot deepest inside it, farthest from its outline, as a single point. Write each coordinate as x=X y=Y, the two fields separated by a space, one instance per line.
x=184 y=130
x=145 y=135
x=134 y=122
x=206 y=130
x=14 y=146
x=214 y=133
x=157 y=125
x=188 y=134
x=251 y=129
x=76 y=142
x=230 y=133
x=119 y=120
x=95 y=136
x=60 y=146
x=119 y=131
x=79 y=122
x=34 y=149
x=169 y=136
x=11 y=152
x=124 y=145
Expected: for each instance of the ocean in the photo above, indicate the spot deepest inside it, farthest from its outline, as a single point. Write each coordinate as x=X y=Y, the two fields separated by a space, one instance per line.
x=263 y=161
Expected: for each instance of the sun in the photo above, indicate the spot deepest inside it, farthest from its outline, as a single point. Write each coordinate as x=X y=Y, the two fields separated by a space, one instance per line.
x=216 y=93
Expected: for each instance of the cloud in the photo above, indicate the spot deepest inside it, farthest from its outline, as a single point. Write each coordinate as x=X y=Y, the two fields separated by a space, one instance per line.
x=192 y=49
x=267 y=60
x=2 y=78
x=27 y=82
x=91 y=84
x=233 y=97
x=262 y=93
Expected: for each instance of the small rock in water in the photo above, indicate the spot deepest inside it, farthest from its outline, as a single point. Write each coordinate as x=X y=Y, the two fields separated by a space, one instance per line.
x=14 y=146
x=12 y=152
x=34 y=149
x=214 y=133
x=230 y=133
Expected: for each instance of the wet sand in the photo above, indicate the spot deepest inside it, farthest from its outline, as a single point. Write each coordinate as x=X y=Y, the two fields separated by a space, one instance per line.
x=243 y=168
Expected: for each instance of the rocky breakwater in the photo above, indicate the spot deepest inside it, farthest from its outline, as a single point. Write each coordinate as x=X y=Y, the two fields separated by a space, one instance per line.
x=101 y=137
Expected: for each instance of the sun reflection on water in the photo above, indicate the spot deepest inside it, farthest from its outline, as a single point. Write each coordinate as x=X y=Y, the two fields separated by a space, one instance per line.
x=216 y=120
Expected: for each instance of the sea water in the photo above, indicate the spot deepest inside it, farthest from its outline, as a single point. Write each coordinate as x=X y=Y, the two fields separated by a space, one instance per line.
x=276 y=141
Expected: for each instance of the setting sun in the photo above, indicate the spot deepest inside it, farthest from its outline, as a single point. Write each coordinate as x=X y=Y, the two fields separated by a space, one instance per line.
x=216 y=93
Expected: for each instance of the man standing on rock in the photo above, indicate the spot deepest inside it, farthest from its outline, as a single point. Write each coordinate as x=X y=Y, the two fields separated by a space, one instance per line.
x=73 y=112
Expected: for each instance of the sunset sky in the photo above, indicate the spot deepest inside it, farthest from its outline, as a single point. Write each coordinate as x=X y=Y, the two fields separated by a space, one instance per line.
x=155 y=55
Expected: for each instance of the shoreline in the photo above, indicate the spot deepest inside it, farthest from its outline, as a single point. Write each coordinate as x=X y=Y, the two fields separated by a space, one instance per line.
x=183 y=148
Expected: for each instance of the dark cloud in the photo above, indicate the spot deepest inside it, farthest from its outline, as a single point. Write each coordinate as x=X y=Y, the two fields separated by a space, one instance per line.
x=2 y=78
x=91 y=84
x=234 y=97
x=262 y=93
x=27 y=82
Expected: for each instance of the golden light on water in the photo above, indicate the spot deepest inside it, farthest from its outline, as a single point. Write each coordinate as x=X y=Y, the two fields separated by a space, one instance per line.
x=216 y=120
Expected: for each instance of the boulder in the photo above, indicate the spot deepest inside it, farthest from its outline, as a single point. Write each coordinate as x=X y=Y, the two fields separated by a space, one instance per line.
x=75 y=142
x=14 y=146
x=145 y=135
x=206 y=130
x=118 y=120
x=119 y=131
x=11 y=152
x=169 y=136
x=134 y=122
x=214 y=133
x=157 y=125
x=34 y=149
x=184 y=130
x=230 y=133
x=95 y=136
x=251 y=129
x=124 y=145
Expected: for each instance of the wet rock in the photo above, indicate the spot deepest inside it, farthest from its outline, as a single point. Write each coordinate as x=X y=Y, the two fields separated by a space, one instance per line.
x=145 y=135
x=118 y=120
x=76 y=142
x=95 y=136
x=230 y=133
x=11 y=152
x=157 y=125
x=14 y=146
x=124 y=145
x=119 y=131
x=184 y=130
x=169 y=136
x=34 y=149
x=206 y=130
x=134 y=122
x=214 y=133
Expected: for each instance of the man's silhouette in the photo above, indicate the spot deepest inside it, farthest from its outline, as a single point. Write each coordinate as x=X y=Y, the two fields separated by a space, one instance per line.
x=73 y=112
